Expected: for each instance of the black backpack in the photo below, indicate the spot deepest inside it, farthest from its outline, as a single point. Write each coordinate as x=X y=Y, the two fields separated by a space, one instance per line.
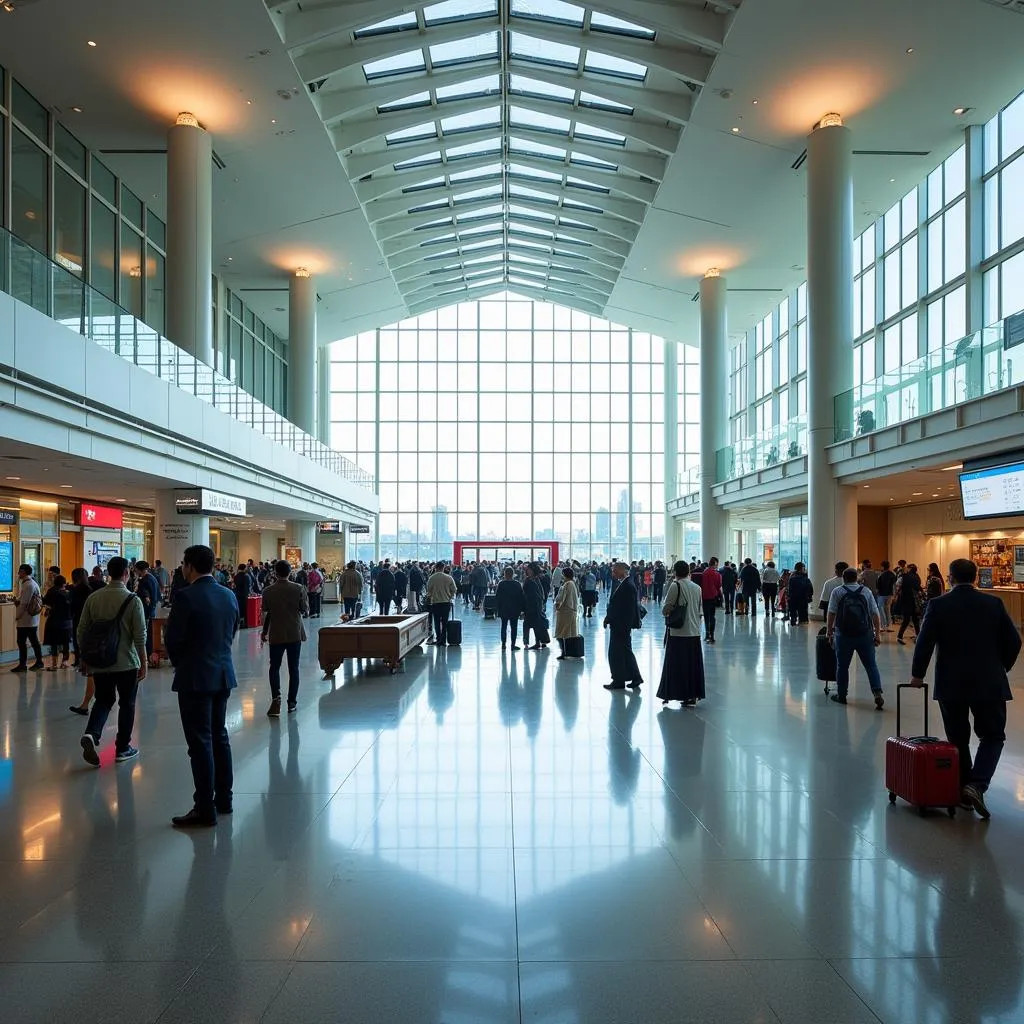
x=102 y=639
x=853 y=617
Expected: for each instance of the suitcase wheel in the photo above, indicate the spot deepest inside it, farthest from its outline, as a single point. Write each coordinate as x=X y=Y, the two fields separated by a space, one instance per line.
x=892 y=797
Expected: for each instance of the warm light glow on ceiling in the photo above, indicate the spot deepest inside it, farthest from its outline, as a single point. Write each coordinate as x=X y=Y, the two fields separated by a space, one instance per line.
x=302 y=272
x=166 y=90
x=187 y=120
x=696 y=264
x=825 y=87
x=713 y=272
x=832 y=120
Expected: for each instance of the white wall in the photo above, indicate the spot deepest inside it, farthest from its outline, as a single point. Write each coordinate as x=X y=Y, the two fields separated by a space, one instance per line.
x=937 y=532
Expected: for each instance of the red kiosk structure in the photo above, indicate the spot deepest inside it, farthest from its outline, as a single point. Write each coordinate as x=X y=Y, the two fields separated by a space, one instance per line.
x=505 y=551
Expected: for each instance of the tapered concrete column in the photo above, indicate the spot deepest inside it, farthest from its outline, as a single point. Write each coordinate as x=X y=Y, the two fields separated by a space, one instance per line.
x=713 y=409
x=832 y=525
x=300 y=533
x=190 y=238
x=671 y=439
x=323 y=395
x=302 y=351
x=174 y=532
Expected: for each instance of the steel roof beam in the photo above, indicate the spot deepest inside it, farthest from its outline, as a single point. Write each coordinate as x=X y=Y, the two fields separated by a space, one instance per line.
x=384 y=184
x=349 y=134
x=359 y=165
x=705 y=29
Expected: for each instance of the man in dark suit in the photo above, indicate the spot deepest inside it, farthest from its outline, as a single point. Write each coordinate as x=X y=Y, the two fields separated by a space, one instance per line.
x=384 y=588
x=977 y=644
x=511 y=604
x=621 y=617
x=198 y=637
x=533 y=605
x=285 y=605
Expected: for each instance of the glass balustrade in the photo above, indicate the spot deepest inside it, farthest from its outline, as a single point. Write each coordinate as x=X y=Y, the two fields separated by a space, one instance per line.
x=979 y=364
x=762 y=450
x=35 y=280
x=688 y=482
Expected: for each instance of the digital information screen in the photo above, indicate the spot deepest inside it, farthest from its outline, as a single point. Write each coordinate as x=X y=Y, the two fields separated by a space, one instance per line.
x=997 y=491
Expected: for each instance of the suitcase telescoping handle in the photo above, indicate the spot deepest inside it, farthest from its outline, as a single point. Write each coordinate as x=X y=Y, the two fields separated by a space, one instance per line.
x=899 y=692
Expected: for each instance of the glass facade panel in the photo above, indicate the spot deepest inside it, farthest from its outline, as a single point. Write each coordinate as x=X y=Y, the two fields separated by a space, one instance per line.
x=103 y=255
x=30 y=208
x=69 y=222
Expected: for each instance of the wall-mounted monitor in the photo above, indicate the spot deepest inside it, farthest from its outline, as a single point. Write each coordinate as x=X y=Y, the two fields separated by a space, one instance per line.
x=6 y=566
x=993 y=492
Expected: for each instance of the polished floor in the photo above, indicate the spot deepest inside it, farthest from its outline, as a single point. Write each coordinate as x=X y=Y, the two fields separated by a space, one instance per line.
x=491 y=837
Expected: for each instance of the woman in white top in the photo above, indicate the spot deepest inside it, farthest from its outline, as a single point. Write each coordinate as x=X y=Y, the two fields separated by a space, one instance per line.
x=770 y=588
x=567 y=609
x=682 y=674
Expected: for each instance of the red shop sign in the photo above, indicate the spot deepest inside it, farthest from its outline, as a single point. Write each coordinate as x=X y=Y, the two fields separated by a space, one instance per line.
x=100 y=515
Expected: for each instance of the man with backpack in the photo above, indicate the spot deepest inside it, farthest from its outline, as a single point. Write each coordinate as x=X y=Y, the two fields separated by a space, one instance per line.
x=853 y=626
x=112 y=645
x=28 y=607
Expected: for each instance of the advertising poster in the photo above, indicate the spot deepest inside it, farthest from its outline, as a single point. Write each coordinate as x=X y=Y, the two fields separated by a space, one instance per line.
x=6 y=566
x=985 y=578
x=293 y=556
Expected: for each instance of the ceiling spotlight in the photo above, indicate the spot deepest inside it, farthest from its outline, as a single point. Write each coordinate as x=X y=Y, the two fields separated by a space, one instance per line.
x=960 y=111
x=755 y=103
x=77 y=110
x=187 y=119
x=735 y=131
x=916 y=494
x=891 y=180
x=90 y=42
x=67 y=487
x=230 y=258
x=302 y=272
x=830 y=120
x=910 y=49
x=120 y=499
x=866 y=486
x=12 y=478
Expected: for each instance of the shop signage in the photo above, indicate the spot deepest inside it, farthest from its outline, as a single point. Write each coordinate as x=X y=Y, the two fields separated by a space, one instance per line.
x=200 y=501
x=358 y=528
x=328 y=527
x=101 y=516
x=176 y=533
x=8 y=517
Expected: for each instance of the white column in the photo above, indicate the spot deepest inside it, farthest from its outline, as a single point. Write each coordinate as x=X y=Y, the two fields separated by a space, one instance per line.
x=671 y=440
x=713 y=409
x=302 y=351
x=832 y=520
x=323 y=395
x=174 y=533
x=190 y=238
x=300 y=533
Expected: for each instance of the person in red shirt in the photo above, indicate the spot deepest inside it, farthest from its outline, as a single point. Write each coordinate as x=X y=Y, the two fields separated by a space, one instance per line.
x=711 y=594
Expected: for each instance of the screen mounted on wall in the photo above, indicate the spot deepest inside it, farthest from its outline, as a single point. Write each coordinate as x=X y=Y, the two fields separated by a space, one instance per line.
x=993 y=492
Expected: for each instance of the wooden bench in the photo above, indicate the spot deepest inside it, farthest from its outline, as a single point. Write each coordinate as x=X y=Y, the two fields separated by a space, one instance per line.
x=388 y=637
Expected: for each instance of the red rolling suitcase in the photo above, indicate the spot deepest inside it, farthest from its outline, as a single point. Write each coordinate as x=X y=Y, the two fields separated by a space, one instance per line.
x=924 y=770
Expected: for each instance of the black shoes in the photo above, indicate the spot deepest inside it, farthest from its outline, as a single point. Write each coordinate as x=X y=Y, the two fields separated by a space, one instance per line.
x=194 y=820
x=975 y=798
x=838 y=699
x=635 y=684
x=78 y=709
x=89 y=752
x=274 y=711
x=292 y=705
x=614 y=686
x=879 y=702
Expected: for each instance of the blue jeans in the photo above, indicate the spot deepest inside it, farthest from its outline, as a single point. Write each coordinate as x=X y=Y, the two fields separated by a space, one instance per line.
x=864 y=647
x=277 y=653
x=883 y=611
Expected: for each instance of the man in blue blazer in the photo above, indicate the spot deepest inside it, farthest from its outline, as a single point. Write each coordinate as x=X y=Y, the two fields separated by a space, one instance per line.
x=976 y=644
x=621 y=617
x=198 y=637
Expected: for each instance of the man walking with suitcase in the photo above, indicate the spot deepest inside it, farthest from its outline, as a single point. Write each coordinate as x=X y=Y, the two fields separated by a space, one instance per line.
x=976 y=644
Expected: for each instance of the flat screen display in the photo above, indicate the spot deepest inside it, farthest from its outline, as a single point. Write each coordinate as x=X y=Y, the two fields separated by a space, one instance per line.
x=6 y=566
x=993 y=492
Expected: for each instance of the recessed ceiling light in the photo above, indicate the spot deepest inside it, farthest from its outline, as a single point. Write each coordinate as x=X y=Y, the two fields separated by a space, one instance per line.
x=916 y=494
x=77 y=110
x=866 y=486
x=273 y=120
x=67 y=487
x=960 y=111
x=90 y=42
x=735 y=131
x=230 y=258
x=934 y=495
x=948 y=469
x=120 y=499
x=12 y=478
x=891 y=180
x=910 y=49
x=755 y=103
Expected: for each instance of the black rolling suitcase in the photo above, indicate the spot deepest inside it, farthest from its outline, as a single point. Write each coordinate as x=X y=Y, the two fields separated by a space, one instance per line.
x=490 y=606
x=824 y=658
x=453 y=632
x=574 y=647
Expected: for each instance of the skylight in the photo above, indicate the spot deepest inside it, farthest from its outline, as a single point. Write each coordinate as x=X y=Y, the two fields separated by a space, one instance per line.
x=416 y=132
x=463 y=90
x=461 y=198
x=458 y=10
x=493 y=227
x=543 y=51
x=518 y=191
x=491 y=170
x=525 y=118
x=549 y=10
x=591 y=161
x=461 y=51
x=543 y=90
x=533 y=172
x=606 y=23
x=419 y=99
x=431 y=183
x=524 y=211
x=589 y=99
x=479 y=260
x=486 y=118
x=580 y=183
x=396 y=24
x=535 y=149
x=529 y=229
x=575 y=204
x=395 y=64
x=474 y=149
x=606 y=64
x=586 y=131
x=419 y=161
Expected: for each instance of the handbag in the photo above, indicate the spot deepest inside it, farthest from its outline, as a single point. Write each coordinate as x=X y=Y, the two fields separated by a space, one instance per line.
x=676 y=618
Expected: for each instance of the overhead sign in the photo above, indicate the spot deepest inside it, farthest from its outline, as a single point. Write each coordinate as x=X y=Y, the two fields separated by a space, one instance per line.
x=328 y=527
x=200 y=501
x=100 y=516
x=358 y=528
x=8 y=517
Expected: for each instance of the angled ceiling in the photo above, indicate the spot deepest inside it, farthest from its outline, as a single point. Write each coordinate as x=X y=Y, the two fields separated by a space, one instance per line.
x=496 y=143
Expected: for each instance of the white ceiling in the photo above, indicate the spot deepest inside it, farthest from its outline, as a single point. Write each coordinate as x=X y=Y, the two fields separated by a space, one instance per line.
x=284 y=198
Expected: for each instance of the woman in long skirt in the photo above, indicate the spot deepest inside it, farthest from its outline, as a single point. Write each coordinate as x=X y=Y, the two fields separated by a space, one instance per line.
x=682 y=674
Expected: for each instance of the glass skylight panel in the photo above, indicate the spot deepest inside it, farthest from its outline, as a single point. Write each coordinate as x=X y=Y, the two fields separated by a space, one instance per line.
x=538 y=149
x=474 y=149
x=606 y=23
x=458 y=10
x=544 y=90
x=431 y=183
x=577 y=224
x=580 y=183
x=416 y=133
x=434 y=224
x=525 y=192
x=543 y=51
x=489 y=228
x=396 y=24
x=461 y=51
x=419 y=99
x=522 y=211
x=575 y=204
x=395 y=64
x=463 y=90
x=494 y=210
x=529 y=229
x=490 y=171
x=590 y=99
x=439 y=255
x=437 y=204
x=485 y=118
x=606 y=64
x=591 y=161
x=549 y=10
x=480 y=260
x=525 y=118
x=530 y=260
x=535 y=173
x=527 y=243
x=473 y=246
x=419 y=161
x=477 y=193
x=586 y=131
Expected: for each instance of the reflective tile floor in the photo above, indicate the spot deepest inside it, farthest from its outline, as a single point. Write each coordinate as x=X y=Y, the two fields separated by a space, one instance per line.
x=490 y=838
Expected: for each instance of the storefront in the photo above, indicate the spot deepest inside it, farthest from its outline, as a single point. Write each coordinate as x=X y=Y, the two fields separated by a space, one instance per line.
x=102 y=533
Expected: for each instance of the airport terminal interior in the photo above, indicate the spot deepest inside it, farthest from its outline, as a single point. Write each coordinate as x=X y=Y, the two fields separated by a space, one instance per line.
x=516 y=285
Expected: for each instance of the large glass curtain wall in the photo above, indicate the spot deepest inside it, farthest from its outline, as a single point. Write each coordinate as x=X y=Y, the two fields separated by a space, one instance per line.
x=507 y=419
x=250 y=353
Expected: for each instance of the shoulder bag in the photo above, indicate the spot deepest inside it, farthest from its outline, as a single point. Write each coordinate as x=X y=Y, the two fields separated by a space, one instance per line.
x=676 y=617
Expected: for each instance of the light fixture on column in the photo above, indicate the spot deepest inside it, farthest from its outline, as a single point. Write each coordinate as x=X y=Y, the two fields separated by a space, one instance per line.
x=301 y=272
x=187 y=119
x=712 y=272
x=832 y=120
x=135 y=272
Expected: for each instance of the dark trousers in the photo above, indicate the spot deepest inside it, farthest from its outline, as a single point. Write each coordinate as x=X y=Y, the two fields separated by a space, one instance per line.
x=907 y=618
x=990 y=728
x=314 y=604
x=621 y=659
x=730 y=600
x=384 y=604
x=479 y=593
x=28 y=635
x=440 y=614
x=350 y=605
x=710 y=609
x=150 y=630
x=798 y=612
x=277 y=653
x=209 y=749
x=770 y=591
x=513 y=623
x=110 y=686
x=658 y=590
